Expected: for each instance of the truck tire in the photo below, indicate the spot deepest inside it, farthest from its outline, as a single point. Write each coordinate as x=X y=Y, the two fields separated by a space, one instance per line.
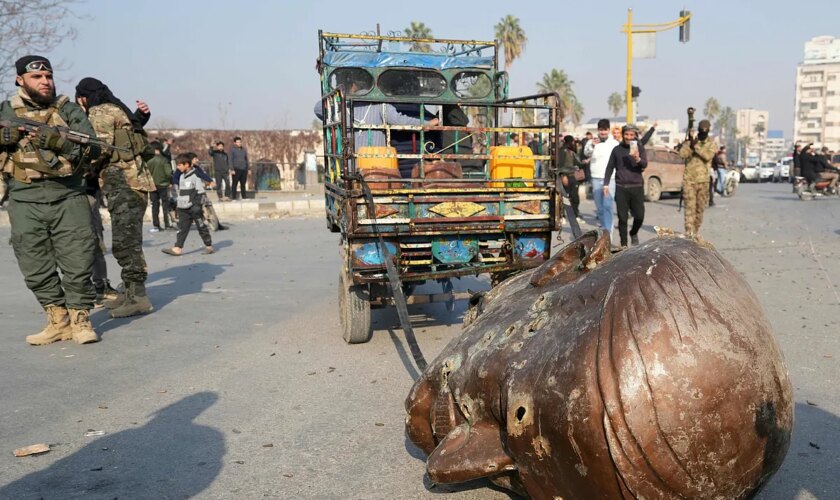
x=654 y=189
x=354 y=310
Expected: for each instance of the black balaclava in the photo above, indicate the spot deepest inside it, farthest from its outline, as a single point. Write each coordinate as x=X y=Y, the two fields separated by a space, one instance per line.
x=98 y=93
x=703 y=130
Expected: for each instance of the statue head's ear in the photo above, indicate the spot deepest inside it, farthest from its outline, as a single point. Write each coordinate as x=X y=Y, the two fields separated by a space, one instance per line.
x=469 y=452
x=575 y=259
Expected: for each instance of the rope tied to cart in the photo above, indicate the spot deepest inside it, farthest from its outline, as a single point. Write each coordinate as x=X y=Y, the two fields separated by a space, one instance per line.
x=393 y=277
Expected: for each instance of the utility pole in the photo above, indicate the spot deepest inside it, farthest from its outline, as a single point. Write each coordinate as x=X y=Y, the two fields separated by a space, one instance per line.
x=682 y=23
x=631 y=117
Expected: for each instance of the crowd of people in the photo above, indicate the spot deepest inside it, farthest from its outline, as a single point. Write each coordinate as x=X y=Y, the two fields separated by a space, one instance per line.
x=57 y=182
x=613 y=162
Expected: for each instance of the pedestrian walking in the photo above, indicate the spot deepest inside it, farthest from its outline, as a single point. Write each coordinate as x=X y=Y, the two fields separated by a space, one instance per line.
x=568 y=164
x=191 y=190
x=126 y=184
x=598 y=150
x=239 y=163
x=627 y=161
x=719 y=164
x=161 y=170
x=698 y=153
x=48 y=210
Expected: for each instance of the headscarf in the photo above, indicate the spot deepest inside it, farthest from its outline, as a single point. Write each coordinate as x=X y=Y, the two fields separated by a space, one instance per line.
x=98 y=93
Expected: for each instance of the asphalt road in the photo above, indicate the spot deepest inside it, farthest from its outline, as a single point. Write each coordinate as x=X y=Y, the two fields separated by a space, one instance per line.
x=240 y=386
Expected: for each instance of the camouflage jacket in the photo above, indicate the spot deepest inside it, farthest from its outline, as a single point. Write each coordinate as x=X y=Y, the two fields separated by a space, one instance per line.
x=108 y=121
x=52 y=189
x=698 y=163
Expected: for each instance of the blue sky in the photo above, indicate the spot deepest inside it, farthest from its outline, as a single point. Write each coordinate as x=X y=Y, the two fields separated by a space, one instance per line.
x=188 y=57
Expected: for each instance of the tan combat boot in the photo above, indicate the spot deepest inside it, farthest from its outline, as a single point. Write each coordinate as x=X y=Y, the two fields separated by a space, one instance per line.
x=82 y=329
x=116 y=299
x=58 y=327
x=135 y=302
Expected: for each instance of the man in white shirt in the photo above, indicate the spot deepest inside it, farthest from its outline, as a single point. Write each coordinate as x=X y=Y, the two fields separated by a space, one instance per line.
x=598 y=151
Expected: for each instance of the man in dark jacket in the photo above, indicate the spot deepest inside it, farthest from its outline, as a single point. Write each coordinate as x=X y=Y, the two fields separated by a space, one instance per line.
x=628 y=160
x=826 y=170
x=221 y=170
x=797 y=164
x=808 y=165
x=239 y=161
x=567 y=165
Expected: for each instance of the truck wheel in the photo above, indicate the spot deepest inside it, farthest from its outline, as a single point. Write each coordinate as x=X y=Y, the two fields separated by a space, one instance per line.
x=654 y=189
x=354 y=311
x=211 y=217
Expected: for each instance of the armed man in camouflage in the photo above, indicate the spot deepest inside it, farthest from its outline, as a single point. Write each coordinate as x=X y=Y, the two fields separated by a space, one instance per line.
x=48 y=211
x=698 y=153
x=126 y=185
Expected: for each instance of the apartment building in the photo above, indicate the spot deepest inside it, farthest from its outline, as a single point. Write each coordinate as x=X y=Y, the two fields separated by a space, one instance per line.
x=817 y=109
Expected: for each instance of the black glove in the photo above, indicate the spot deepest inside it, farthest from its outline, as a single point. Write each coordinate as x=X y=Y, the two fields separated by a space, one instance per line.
x=9 y=136
x=50 y=139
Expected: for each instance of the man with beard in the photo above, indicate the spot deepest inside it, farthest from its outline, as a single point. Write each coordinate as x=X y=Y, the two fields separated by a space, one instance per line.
x=697 y=153
x=126 y=184
x=49 y=211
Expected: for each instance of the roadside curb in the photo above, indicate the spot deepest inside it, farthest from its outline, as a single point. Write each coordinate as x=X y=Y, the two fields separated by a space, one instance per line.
x=238 y=210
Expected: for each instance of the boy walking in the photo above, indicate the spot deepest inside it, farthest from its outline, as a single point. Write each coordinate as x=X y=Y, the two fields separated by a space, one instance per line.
x=190 y=192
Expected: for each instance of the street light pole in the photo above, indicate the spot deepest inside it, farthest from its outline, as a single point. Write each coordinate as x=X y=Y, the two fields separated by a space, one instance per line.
x=629 y=97
x=681 y=22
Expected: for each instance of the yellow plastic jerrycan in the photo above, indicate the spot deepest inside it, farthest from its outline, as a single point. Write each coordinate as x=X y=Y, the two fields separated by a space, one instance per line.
x=381 y=157
x=511 y=162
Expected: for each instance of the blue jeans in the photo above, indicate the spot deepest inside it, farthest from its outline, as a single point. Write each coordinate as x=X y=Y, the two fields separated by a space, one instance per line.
x=603 y=204
x=721 y=176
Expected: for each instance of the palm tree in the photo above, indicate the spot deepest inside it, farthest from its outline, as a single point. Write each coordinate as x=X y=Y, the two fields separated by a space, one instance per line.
x=759 y=129
x=711 y=109
x=421 y=32
x=512 y=37
x=577 y=113
x=568 y=106
x=744 y=143
x=615 y=101
x=725 y=124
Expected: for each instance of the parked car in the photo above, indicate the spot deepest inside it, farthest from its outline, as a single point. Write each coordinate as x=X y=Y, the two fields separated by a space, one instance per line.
x=766 y=170
x=664 y=173
x=749 y=173
x=782 y=171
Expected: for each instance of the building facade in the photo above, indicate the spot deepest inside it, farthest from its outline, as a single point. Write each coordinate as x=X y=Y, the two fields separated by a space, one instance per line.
x=751 y=125
x=776 y=146
x=817 y=108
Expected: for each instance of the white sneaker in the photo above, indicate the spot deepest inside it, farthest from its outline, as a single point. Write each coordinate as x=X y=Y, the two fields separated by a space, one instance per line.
x=154 y=230
x=580 y=220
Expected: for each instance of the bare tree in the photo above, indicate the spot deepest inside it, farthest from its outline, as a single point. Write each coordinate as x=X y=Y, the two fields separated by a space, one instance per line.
x=224 y=110
x=28 y=26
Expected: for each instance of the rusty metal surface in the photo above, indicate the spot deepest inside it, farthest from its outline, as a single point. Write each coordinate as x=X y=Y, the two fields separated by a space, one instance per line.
x=650 y=374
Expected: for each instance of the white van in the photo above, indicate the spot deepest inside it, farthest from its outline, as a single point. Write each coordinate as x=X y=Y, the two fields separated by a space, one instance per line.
x=783 y=170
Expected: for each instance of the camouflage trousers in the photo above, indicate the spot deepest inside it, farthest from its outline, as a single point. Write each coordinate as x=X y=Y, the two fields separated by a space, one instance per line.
x=127 y=208
x=695 y=200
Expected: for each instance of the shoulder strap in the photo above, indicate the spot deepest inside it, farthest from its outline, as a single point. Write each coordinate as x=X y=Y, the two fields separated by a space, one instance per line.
x=60 y=102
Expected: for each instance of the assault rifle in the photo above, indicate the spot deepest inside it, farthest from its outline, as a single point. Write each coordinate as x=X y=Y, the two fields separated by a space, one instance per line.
x=33 y=127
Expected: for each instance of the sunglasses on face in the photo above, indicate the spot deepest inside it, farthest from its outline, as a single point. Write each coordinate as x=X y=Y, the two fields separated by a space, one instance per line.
x=38 y=66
